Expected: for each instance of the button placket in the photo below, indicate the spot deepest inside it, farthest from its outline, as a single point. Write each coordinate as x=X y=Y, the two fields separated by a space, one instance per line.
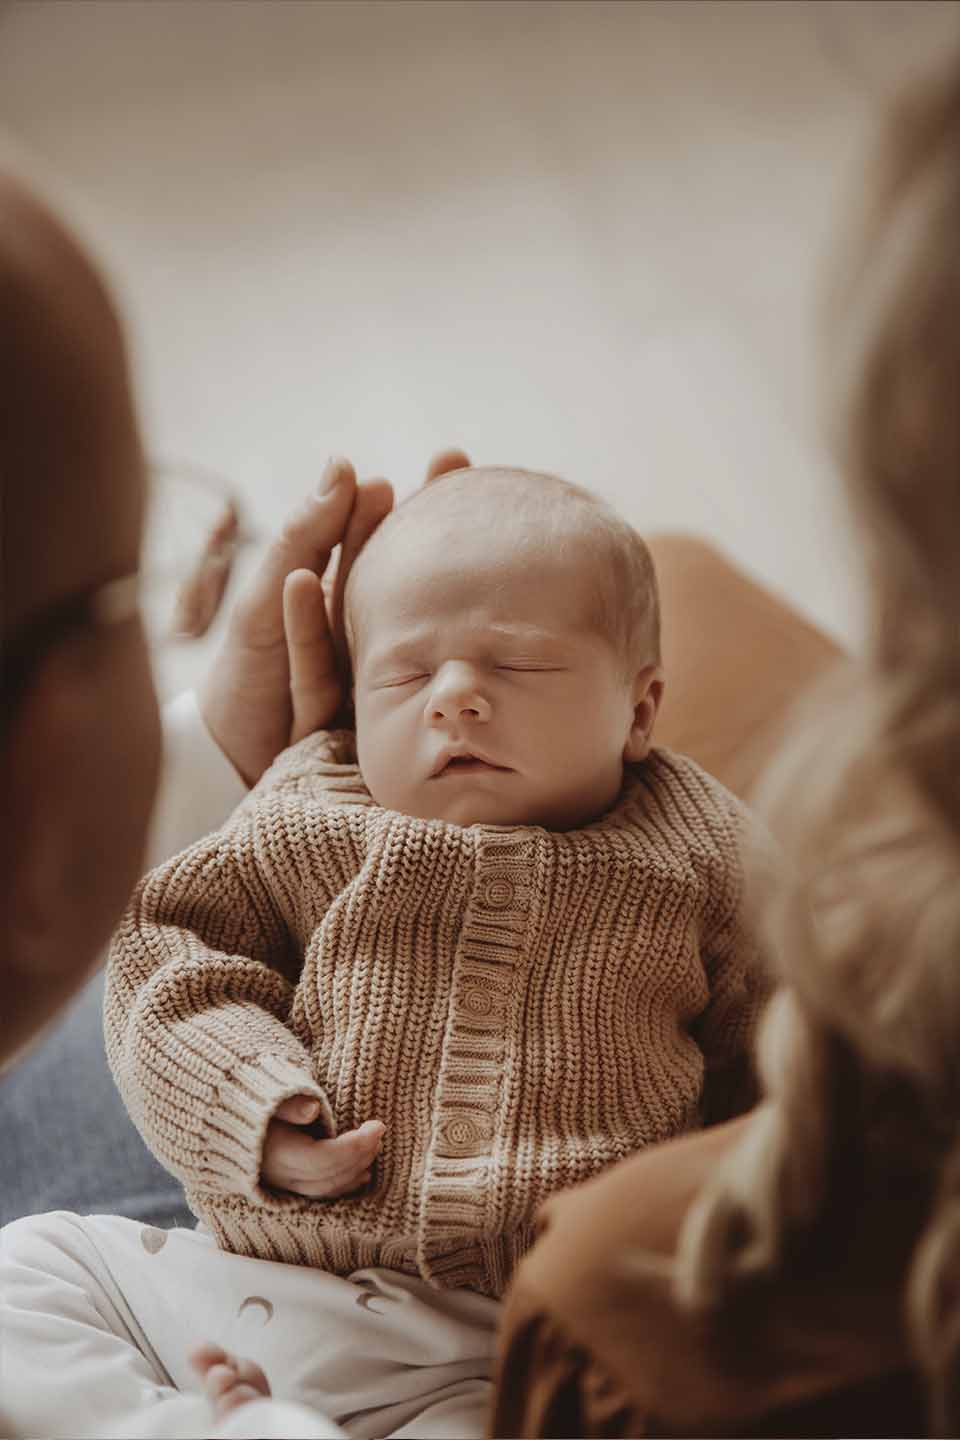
x=469 y=1091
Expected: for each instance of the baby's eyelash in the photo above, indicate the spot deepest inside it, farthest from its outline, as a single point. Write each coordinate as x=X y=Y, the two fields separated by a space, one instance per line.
x=405 y=680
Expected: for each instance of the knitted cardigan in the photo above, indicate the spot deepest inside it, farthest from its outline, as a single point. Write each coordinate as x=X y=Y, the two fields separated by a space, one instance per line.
x=521 y=1007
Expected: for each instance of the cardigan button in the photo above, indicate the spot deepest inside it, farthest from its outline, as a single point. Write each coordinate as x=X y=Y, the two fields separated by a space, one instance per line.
x=461 y=1134
x=499 y=892
x=478 y=1002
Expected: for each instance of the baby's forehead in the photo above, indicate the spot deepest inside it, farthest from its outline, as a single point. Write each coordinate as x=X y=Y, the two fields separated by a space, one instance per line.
x=477 y=532
x=500 y=575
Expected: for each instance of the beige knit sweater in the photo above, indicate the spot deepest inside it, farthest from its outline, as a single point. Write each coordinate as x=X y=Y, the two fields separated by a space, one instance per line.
x=520 y=1007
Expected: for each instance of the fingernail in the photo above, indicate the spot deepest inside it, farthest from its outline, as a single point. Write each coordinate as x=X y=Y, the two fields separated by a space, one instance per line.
x=309 y=1109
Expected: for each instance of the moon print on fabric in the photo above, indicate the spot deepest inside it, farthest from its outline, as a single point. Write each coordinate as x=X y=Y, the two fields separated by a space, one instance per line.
x=366 y=1300
x=257 y=1300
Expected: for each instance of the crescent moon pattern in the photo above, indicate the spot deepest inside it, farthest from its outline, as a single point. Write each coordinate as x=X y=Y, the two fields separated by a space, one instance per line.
x=265 y=1305
x=366 y=1300
x=366 y=1303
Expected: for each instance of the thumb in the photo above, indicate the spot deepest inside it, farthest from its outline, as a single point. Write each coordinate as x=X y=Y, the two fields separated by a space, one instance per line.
x=298 y=1110
x=314 y=683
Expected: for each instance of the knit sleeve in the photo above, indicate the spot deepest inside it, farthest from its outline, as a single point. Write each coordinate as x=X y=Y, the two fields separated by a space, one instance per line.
x=736 y=974
x=199 y=989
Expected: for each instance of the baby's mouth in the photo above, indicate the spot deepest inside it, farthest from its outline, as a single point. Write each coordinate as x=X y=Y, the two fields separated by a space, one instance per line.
x=464 y=763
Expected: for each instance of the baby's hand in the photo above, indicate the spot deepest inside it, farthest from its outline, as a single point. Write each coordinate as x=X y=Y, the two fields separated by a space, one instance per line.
x=321 y=1169
x=228 y=1380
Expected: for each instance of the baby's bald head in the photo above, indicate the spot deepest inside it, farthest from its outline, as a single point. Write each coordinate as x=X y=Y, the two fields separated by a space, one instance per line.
x=509 y=518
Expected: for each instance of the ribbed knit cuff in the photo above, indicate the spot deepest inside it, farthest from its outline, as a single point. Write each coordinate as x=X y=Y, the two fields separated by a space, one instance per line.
x=247 y=1100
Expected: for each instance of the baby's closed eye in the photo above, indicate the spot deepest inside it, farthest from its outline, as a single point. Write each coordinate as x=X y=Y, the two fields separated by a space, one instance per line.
x=395 y=682
x=533 y=667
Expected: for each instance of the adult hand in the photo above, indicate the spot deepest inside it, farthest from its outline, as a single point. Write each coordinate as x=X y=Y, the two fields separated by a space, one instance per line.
x=277 y=676
x=321 y=1169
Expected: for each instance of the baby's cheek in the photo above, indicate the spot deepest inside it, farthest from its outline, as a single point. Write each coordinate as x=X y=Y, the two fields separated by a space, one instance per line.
x=384 y=757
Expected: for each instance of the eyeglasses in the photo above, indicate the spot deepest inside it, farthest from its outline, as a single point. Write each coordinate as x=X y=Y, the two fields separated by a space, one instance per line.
x=192 y=536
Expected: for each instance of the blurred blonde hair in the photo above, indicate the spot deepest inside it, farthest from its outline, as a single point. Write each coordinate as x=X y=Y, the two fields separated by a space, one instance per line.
x=860 y=1052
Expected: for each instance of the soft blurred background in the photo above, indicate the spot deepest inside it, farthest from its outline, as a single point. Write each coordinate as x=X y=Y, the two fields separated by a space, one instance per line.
x=585 y=236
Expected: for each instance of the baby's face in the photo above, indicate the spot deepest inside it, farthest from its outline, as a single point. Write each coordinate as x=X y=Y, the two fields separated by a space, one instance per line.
x=482 y=693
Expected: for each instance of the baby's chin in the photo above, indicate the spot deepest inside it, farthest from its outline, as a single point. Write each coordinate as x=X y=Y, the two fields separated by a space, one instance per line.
x=469 y=807
x=466 y=810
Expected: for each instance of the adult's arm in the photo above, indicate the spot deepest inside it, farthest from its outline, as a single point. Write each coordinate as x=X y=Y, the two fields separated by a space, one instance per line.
x=737 y=656
x=589 y=1328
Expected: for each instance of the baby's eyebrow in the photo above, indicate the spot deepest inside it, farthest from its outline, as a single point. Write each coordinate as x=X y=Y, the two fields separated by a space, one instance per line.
x=416 y=644
x=406 y=649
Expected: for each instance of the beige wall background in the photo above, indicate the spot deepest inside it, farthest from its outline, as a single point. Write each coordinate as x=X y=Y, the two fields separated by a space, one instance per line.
x=591 y=237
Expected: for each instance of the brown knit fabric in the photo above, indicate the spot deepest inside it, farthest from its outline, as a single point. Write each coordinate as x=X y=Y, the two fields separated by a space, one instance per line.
x=521 y=1007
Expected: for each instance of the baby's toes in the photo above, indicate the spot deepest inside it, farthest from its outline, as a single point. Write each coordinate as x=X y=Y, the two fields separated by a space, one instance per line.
x=241 y=1394
x=218 y=1380
x=202 y=1357
x=248 y=1372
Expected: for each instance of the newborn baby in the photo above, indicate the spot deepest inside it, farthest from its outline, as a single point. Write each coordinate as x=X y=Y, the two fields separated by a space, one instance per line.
x=488 y=945
x=503 y=629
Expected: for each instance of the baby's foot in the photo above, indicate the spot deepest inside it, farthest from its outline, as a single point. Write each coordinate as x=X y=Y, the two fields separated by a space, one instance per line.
x=228 y=1380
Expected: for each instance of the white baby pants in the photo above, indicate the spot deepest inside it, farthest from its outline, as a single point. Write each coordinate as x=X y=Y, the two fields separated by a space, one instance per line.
x=98 y=1315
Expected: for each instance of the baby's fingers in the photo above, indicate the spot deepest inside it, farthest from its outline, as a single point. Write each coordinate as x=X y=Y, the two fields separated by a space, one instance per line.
x=354 y=1149
x=356 y=1182
x=293 y=1161
x=298 y=1110
x=342 y=1165
x=239 y=1395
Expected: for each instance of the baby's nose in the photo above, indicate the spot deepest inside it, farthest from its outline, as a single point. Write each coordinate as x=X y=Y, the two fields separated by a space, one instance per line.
x=457 y=694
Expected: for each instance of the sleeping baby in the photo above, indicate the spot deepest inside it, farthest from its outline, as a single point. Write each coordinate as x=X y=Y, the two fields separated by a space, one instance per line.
x=468 y=953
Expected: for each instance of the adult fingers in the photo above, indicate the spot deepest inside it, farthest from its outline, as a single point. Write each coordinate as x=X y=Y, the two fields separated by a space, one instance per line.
x=314 y=682
x=373 y=503
x=305 y=542
x=444 y=461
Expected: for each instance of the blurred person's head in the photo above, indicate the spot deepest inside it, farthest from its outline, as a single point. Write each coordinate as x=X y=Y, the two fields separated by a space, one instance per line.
x=79 y=732
x=860 y=1135
x=504 y=635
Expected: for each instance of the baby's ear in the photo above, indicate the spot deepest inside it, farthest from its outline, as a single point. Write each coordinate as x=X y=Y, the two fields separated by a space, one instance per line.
x=647 y=694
